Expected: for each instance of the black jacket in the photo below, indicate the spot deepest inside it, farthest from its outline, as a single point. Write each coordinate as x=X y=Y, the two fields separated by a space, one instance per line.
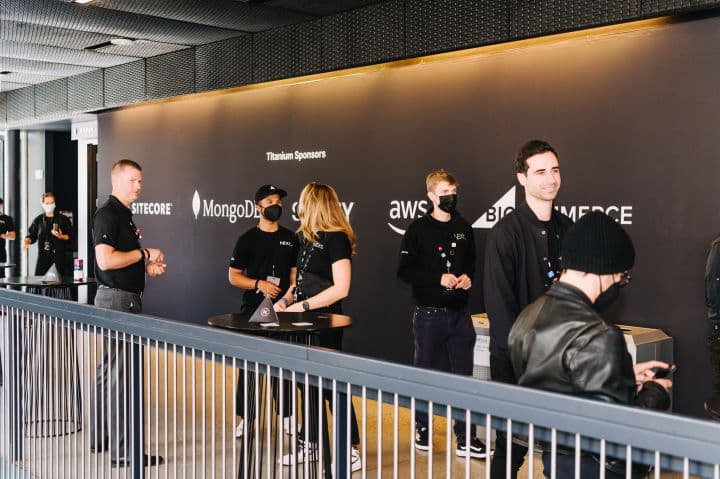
x=560 y=343
x=712 y=280
x=516 y=258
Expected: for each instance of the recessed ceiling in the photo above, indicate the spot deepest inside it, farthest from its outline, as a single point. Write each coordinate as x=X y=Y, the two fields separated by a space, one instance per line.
x=42 y=40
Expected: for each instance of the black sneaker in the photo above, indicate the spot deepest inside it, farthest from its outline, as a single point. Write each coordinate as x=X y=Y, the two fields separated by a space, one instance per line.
x=477 y=449
x=421 y=439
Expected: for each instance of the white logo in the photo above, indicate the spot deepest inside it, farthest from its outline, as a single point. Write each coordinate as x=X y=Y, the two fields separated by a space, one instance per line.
x=265 y=312
x=196 y=204
x=152 y=208
x=296 y=155
x=346 y=207
x=406 y=210
x=497 y=211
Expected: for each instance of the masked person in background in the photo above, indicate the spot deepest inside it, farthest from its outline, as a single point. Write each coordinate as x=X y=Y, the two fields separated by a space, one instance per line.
x=437 y=258
x=327 y=244
x=263 y=264
x=562 y=343
x=51 y=230
x=712 y=305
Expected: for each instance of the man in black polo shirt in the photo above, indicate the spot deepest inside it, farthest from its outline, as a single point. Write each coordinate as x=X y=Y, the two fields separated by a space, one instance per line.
x=263 y=264
x=437 y=258
x=121 y=264
x=522 y=260
x=52 y=231
x=7 y=232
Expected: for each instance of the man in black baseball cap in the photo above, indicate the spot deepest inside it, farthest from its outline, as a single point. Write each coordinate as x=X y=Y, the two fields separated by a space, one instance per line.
x=263 y=262
x=561 y=343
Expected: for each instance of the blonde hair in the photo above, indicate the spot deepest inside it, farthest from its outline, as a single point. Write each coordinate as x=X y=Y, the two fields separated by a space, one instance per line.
x=319 y=211
x=435 y=177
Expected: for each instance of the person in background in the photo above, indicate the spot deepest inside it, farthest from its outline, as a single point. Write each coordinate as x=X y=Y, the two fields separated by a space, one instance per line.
x=437 y=258
x=522 y=260
x=712 y=305
x=327 y=244
x=7 y=233
x=263 y=264
x=51 y=230
x=562 y=343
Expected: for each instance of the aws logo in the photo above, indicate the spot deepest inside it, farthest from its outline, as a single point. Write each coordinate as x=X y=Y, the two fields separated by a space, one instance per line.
x=406 y=210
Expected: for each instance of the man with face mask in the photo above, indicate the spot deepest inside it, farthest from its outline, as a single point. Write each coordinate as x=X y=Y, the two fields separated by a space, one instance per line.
x=522 y=259
x=7 y=233
x=52 y=232
x=561 y=342
x=437 y=258
x=263 y=262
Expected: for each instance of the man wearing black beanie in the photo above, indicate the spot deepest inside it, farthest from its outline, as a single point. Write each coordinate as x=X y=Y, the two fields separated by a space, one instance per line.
x=561 y=342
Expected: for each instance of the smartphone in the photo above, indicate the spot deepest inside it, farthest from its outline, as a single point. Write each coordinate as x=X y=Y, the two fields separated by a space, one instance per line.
x=661 y=373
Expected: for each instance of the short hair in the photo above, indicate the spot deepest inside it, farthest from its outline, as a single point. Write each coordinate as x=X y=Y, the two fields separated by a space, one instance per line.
x=531 y=148
x=2 y=202
x=124 y=163
x=47 y=194
x=435 y=177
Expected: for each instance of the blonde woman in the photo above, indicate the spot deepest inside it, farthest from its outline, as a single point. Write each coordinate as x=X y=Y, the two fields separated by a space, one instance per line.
x=324 y=269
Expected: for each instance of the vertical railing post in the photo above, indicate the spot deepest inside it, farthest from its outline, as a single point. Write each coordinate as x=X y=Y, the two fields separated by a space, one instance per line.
x=341 y=428
x=135 y=373
x=14 y=371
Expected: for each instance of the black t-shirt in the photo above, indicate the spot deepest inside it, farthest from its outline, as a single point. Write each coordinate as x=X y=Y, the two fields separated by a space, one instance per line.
x=553 y=259
x=6 y=225
x=261 y=254
x=113 y=225
x=318 y=259
x=40 y=231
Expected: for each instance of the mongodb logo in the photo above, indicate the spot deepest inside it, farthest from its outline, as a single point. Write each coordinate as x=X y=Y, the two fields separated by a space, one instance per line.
x=196 y=204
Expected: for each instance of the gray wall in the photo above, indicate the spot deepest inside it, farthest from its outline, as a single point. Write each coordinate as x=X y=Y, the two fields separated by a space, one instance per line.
x=633 y=117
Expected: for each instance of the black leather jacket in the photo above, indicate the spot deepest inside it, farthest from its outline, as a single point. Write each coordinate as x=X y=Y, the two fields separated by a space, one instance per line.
x=560 y=343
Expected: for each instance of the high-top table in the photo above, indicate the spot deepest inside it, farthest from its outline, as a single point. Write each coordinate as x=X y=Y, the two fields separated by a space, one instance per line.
x=50 y=379
x=303 y=328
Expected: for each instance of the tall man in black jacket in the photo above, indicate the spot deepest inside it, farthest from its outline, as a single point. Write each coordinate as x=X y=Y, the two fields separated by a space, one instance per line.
x=437 y=257
x=522 y=259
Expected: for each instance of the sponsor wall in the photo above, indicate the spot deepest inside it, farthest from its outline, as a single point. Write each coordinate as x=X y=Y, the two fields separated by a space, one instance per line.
x=632 y=116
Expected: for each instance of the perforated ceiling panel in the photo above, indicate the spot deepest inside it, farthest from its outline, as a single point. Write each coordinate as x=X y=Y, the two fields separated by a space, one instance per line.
x=20 y=104
x=21 y=65
x=367 y=35
x=141 y=49
x=27 y=78
x=230 y=14
x=85 y=92
x=653 y=7
x=443 y=25
x=7 y=85
x=287 y=52
x=60 y=55
x=3 y=107
x=21 y=32
x=224 y=64
x=124 y=84
x=51 y=98
x=171 y=74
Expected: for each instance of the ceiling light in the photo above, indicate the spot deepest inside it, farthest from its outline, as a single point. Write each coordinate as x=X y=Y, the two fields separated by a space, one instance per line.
x=121 y=41
x=5 y=72
x=82 y=1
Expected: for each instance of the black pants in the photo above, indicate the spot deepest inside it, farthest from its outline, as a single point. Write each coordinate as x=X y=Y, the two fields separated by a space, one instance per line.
x=46 y=259
x=437 y=333
x=565 y=467
x=713 y=343
x=501 y=370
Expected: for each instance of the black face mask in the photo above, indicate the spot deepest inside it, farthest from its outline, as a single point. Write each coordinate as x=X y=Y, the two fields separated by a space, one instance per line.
x=607 y=297
x=448 y=203
x=272 y=212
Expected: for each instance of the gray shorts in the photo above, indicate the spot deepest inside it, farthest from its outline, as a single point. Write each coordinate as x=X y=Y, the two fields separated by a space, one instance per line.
x=118 y=300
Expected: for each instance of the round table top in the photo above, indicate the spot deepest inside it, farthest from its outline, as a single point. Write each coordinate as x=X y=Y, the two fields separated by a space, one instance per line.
x=38 y=282
x=288 y=322
x=7 y=265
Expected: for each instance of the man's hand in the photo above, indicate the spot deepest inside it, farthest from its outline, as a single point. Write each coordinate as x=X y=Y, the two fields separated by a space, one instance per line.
x=280 y=306
x=26 y=243
x=156 y=256
x=155 y=269
x=56 y=232
x=644 y=373
x=448 y=280
x=464 y=282
x=268 y=289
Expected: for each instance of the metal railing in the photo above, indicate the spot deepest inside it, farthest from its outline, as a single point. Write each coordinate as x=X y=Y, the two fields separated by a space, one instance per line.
x=180 y=402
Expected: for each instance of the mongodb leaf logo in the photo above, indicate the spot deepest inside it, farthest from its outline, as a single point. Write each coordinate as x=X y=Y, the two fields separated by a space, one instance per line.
x=196 y=203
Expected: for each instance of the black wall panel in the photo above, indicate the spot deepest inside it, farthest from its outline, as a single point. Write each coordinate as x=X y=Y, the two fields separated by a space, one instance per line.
x=287 y=52
x=85 y=91
x=224 y=64
x=170 y=74
x=530 y=18
x=368 y=35
x=51 y=98
x=125 y=84
x=21 y=104
x=442 y=25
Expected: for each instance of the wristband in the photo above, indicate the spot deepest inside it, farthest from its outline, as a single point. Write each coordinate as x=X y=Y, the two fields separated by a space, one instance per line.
x=142 y=254
x=285 y=302
x=256 y=283
x=147 y=254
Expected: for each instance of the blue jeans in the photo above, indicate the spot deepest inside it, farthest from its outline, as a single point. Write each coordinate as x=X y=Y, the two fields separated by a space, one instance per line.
x=439 y=333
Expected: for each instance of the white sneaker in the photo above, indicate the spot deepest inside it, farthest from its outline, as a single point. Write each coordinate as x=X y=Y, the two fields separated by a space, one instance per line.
x=287 y=425
x=305 y=452
x=356 y=460
x=240 y=429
